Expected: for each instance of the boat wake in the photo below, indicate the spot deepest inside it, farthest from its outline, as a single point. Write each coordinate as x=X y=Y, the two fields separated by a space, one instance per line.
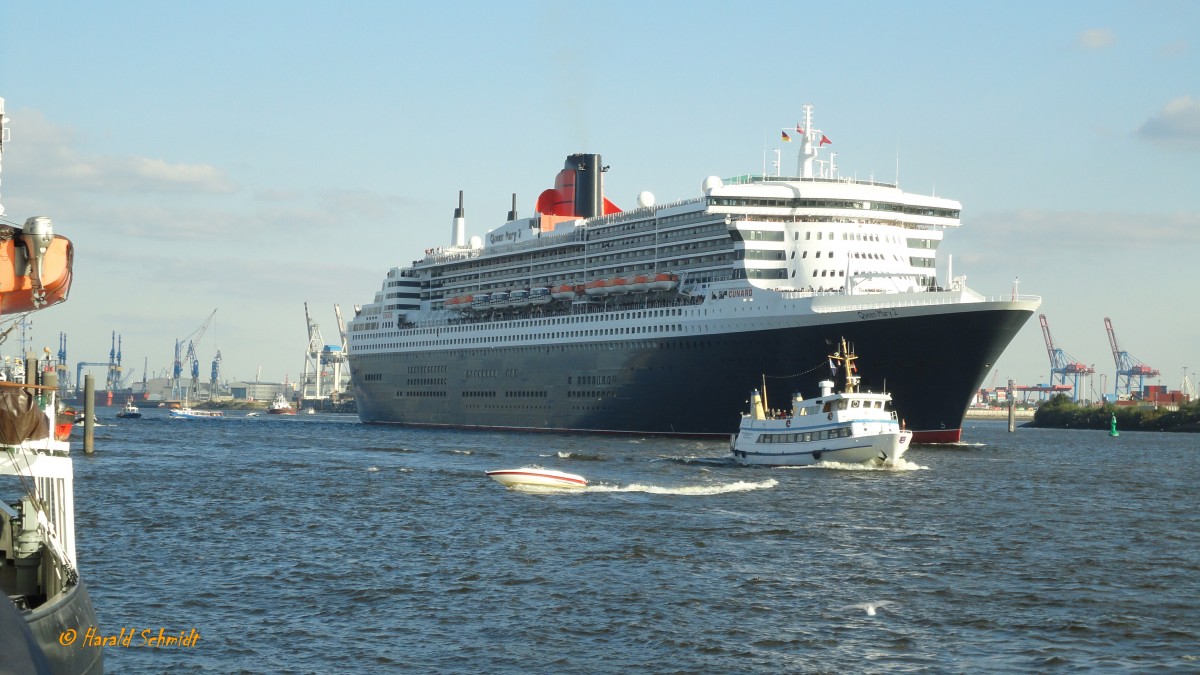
x=578 y=456
x=690 y=490
x=954 y=446
x=869 y=608
x=691 y=459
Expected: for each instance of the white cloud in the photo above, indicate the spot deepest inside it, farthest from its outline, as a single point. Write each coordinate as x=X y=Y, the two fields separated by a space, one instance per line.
x=49 y=153
x=1174 y=50
x=1097 y=38
x=1177 y=125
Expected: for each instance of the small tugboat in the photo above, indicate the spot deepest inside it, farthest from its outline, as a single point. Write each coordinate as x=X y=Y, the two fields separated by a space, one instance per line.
x=537 y=477
x=850 y=427
x=130 y=411
x=280 y=406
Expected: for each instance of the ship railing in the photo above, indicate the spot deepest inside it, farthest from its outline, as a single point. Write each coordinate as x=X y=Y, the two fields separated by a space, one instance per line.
x=749 y=178
x=923 y=302
x=636 y=213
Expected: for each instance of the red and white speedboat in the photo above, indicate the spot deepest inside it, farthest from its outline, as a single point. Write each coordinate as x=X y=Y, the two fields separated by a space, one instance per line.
x=535 y=476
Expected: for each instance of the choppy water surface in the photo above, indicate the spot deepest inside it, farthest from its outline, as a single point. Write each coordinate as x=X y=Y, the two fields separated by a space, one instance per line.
x=316 y=544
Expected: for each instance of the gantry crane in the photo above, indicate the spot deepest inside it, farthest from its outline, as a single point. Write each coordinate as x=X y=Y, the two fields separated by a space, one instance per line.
x=1127 y=367
x=1062 y=364
x=189 y=357
x=64 y=372
x=310 y=383
x=216 y=372
x=112 y=381
x=323 y=363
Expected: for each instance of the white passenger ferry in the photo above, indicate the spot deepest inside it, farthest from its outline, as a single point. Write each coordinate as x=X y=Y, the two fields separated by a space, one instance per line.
x=850 y=427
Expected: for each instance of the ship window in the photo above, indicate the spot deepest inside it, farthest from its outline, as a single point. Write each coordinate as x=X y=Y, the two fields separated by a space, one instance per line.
x=804 y=253
x=854 y=404
x=819 y=235
x=808 y=235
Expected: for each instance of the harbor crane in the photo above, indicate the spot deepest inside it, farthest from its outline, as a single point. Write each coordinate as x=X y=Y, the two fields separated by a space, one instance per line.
x=216 y=372
x=189 y=357
x=113 y=381
x=1127 y=367
x=310 y=381
x=1063 y=364
x=64 y=371
x=322 y=377
x=79 y=368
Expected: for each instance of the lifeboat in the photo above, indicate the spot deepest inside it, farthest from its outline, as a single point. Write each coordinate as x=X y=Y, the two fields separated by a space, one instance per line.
x=596 y=287
x=452 y=303
x=518 y=298
x=30 y=282
x=481 y=301
x=539 y=296
x=618 y=285
x=563 y=292
x=639 y=283
x=664 y=282
x=499 y=300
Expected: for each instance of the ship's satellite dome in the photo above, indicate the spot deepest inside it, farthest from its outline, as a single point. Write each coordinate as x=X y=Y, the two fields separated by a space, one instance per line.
x=476 y=242
x=645 y=198
x=712 y=183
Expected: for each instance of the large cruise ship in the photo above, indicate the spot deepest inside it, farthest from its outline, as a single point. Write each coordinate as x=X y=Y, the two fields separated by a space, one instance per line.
x=662 y=318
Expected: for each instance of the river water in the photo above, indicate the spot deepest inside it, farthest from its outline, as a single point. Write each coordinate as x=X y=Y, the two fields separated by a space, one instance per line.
x=315 y=544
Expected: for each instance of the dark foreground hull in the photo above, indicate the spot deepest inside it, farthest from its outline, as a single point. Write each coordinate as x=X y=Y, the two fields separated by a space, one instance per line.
x=67 y=620
x=698 y=385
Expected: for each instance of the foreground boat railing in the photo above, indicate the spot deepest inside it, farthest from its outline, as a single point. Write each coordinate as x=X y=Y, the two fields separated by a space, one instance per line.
x=44 y=467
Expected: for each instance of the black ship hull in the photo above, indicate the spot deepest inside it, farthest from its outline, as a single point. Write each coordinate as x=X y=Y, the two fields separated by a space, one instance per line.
x=60 y=629
x=698 y=385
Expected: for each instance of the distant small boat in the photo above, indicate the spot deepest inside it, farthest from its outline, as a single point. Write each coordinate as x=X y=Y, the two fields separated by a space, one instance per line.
x=535 y=476
x=130 y=411
x=251 y=414
x=190 y=414
x=280 y=406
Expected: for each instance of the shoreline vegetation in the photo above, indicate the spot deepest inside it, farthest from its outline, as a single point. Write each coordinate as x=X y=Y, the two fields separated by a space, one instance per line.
x=1059 y=412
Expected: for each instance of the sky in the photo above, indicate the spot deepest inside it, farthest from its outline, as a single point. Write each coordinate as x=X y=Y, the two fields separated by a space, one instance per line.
x=251 y=157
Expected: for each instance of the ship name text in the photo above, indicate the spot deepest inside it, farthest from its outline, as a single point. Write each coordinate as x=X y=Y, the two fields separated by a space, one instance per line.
x=878 y=314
